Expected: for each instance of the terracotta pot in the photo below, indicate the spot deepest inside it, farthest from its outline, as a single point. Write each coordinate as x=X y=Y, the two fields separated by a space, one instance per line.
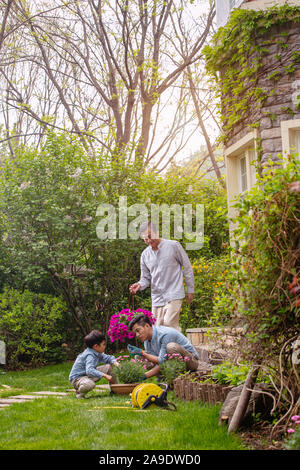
x=122 y=389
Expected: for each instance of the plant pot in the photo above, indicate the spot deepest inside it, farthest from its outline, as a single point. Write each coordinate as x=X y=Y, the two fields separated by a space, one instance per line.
x=122 y=389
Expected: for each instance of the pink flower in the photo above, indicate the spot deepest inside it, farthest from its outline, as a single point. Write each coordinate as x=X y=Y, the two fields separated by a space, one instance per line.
x=291 y=430
x=295 y=418
x=119 y=323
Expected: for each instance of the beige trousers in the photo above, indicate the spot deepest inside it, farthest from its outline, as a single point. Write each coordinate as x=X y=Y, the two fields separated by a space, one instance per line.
x=86 y=383
x=168 y=315
x=175 y=348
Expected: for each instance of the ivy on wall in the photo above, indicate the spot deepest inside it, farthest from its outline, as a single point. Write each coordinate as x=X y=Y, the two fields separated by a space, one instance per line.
x=236 y=60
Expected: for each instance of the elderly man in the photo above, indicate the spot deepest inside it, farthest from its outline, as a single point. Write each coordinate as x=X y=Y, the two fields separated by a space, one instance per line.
x=162 y=263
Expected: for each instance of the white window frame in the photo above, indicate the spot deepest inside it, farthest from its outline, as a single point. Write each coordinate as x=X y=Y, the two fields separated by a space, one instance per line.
x=234 y=4
x=288 y=128
x=245 y=147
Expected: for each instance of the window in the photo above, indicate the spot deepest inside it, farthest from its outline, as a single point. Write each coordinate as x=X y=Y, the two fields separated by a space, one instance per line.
x=295 y=142
x=240 y=168
x=243 y=183
x=290 y=132
x=252 y=163
x=246 y=169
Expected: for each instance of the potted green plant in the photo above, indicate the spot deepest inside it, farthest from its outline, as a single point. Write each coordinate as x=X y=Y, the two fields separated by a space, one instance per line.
x=128 y=375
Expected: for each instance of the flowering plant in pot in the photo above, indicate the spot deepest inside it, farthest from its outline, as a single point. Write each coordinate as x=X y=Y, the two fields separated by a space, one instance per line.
x=119 y=324
x=128 y=374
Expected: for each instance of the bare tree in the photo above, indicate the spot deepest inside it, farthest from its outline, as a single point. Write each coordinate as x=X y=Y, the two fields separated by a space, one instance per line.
x=105 y=69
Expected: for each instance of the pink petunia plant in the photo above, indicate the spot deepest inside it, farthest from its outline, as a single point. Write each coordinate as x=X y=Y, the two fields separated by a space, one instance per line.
x=295 y=420
x=118 y=329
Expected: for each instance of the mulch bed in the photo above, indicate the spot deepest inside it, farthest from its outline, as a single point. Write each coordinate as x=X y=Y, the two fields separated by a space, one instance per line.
x=257 y=437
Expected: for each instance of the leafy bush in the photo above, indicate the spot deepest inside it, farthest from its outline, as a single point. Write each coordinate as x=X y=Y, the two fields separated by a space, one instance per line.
x=210 y=277
x=264 y=262
x=48 y=207
x=227 y=373
x=129 y=372
x=33 y=327
x=172 y=368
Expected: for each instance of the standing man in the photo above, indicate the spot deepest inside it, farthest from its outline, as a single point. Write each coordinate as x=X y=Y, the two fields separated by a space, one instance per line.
x=162 y=263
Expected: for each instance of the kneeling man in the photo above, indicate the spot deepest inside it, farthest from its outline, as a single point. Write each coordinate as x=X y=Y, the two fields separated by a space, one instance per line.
x=160 y=341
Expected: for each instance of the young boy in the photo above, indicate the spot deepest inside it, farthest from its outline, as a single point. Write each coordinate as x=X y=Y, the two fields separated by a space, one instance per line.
x=85 y=373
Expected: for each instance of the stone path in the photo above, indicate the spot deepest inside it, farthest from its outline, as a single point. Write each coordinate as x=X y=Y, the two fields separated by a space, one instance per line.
x=5 y=402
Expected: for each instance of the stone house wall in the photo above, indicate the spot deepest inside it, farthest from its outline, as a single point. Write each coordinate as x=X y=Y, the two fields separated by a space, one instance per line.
x=283 y=103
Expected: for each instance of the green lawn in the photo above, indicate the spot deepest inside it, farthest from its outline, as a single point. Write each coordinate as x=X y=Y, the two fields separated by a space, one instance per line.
x=91 y=424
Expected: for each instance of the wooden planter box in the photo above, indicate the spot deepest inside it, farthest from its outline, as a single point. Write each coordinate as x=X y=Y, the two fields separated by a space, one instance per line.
x=187 y=390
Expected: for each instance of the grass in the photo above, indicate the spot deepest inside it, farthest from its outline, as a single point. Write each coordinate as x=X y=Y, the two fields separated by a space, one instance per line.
x=93 y=424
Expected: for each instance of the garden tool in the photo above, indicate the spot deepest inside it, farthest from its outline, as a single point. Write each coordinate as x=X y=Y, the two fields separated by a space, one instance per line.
x=134 y=351
x=148 y=395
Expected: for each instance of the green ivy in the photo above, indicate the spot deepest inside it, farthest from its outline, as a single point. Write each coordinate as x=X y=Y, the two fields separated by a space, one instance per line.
x=234 y=59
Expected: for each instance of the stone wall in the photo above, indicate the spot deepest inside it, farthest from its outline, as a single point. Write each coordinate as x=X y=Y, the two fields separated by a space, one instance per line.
x=277 y=79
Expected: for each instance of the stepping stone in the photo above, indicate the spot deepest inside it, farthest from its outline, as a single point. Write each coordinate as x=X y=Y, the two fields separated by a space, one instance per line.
x=25 y=397
x=47 y=393
x=9 y=401
x=3 y=405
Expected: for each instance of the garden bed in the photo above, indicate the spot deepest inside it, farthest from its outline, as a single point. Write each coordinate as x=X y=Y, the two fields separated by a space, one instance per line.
x=196 y=387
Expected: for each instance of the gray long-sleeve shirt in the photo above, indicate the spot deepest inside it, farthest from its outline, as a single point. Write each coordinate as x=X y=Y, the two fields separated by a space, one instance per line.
x=162 y=269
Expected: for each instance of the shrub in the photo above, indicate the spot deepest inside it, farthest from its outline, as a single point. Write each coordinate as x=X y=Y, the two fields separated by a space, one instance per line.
x=264 y=262
x=129 y=371
x=261 y=289
x=227 y=373
x=210 y=277
x=32 y=327
x=174 y=365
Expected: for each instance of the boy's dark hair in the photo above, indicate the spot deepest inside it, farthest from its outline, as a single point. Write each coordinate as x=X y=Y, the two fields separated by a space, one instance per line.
x=94 y=337
x=141 y=320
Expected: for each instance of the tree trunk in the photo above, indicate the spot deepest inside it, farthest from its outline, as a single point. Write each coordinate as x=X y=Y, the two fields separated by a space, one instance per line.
x=242 y=404
x=201 y=124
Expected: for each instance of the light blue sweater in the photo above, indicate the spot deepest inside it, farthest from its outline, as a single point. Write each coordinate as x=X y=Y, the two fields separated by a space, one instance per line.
x=87 y=362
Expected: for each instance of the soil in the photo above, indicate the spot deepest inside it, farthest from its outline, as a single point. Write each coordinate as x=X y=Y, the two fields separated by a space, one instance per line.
x=258 y=438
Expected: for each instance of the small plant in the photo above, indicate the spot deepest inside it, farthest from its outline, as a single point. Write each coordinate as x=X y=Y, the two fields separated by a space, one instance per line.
x=231 y=374
x=174 y=366
x=227 y=373
x=129 y=371
x=293 y=442
x=119 y=324
x=147 y=365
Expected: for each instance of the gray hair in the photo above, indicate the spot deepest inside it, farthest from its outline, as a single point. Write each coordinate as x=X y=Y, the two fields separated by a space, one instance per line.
x=145 y=225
